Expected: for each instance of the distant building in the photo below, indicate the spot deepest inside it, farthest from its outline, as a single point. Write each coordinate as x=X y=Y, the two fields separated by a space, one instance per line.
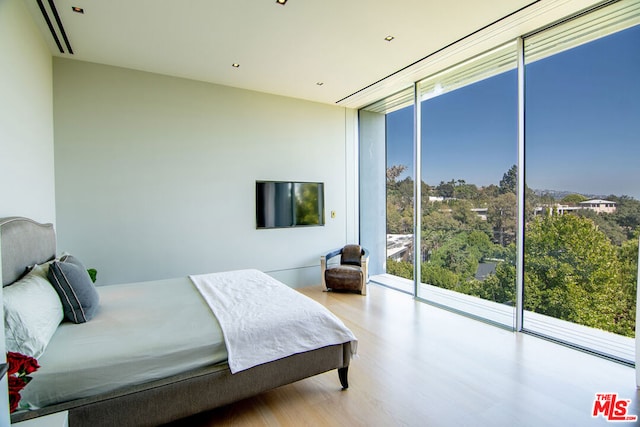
x=481 y=212
x=398 y=245
x=599 y=205
x=596 y=205
x=556 y=209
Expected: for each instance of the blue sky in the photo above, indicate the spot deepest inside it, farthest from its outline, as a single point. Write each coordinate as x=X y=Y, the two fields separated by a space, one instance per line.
x=582 y=124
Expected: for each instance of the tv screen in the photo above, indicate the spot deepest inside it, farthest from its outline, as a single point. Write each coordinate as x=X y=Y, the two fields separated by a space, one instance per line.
x=289 y=204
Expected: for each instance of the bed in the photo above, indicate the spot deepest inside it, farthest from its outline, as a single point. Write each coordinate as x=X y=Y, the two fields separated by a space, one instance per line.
x=140 y=361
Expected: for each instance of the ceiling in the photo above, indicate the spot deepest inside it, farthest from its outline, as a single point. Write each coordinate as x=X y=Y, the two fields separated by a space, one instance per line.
x=322 y=51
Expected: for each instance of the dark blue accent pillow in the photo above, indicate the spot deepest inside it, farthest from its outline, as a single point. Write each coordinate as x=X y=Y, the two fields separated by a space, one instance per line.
x=74 y=287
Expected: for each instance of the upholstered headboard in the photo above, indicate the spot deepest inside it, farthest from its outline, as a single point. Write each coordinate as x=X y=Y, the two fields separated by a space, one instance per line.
x=24 y=242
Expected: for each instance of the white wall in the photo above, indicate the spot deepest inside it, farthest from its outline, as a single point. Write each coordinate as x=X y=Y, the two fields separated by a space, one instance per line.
x=26 y=117
x=155 y=175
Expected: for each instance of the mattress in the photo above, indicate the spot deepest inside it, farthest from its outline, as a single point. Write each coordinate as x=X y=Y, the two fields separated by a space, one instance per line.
x=141 y=332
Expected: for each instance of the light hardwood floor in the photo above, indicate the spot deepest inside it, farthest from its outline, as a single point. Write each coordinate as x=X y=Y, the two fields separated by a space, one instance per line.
x=419 y=365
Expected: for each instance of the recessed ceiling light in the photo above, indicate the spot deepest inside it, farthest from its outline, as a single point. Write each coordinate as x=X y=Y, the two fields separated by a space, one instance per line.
x=235 y=65
x=77 y=9
x=389 y=38
x=282 y=2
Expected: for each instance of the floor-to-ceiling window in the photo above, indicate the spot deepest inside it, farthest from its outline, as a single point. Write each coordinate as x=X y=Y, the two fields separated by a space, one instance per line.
x=400 y=195
x=582 y=162
x=468 y=137
x=387 y=188
x=562 y=255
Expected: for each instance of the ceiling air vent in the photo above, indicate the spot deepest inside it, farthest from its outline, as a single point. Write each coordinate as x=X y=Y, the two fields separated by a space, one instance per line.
x=47 y=13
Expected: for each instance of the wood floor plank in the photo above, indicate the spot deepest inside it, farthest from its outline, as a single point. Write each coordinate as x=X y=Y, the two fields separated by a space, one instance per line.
x=419 y=365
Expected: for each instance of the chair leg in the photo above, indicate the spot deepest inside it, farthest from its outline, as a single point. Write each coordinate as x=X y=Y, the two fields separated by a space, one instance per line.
x=323 y=268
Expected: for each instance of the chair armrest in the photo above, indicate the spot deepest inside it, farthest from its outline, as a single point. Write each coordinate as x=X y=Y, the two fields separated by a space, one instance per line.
x=333 y=254
x=323 y=266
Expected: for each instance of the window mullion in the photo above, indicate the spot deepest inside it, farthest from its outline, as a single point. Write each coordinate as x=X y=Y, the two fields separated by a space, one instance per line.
x=417 y=192
x=521 y=190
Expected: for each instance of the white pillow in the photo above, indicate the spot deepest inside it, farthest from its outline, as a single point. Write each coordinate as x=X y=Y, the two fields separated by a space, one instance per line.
x=32 y=313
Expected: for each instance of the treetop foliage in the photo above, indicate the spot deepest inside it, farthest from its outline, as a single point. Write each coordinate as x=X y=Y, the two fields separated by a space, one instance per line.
x=580 y=266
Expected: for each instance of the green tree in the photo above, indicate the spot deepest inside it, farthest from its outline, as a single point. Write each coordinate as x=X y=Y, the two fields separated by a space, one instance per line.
x=499 y=287
x=461 y=212
x=399 y=201
x=573 y=199
x=446 y=189
x=458 y=256
x=465 y=191
x=400 y=268
x=627 y=213
x=509 y=181
x=579 y=267
x=502 y=214
x=488 y=192
x=437 y=228
x=481 y=242
x=605 y=223
x=394 y=218
x=572 y=273
x=628 y=256
x=439 y=276
x=394 y=172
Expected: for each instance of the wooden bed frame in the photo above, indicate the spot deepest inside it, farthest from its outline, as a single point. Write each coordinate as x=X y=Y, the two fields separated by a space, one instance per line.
x=24 y=242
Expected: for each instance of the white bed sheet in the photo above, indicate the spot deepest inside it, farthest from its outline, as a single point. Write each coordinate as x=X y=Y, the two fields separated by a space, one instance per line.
x=264 y=320
x=141 y=332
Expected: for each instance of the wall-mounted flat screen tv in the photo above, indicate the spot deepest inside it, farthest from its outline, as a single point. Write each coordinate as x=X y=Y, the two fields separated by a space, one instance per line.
x=289 y=204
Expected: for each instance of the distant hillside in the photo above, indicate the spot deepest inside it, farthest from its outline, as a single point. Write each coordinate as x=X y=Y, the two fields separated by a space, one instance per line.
x=560 y=194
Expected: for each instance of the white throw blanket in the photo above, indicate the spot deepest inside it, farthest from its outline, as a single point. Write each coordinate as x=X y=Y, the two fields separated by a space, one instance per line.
x=264 y=320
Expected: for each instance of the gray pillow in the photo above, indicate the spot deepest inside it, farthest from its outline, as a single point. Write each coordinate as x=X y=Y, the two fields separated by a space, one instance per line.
x=74 y=287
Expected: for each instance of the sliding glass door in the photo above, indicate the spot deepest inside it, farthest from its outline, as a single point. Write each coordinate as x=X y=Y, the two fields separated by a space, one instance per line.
x=468 y=157
x=582 y=164
x=388 y=124
x=400 y=197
